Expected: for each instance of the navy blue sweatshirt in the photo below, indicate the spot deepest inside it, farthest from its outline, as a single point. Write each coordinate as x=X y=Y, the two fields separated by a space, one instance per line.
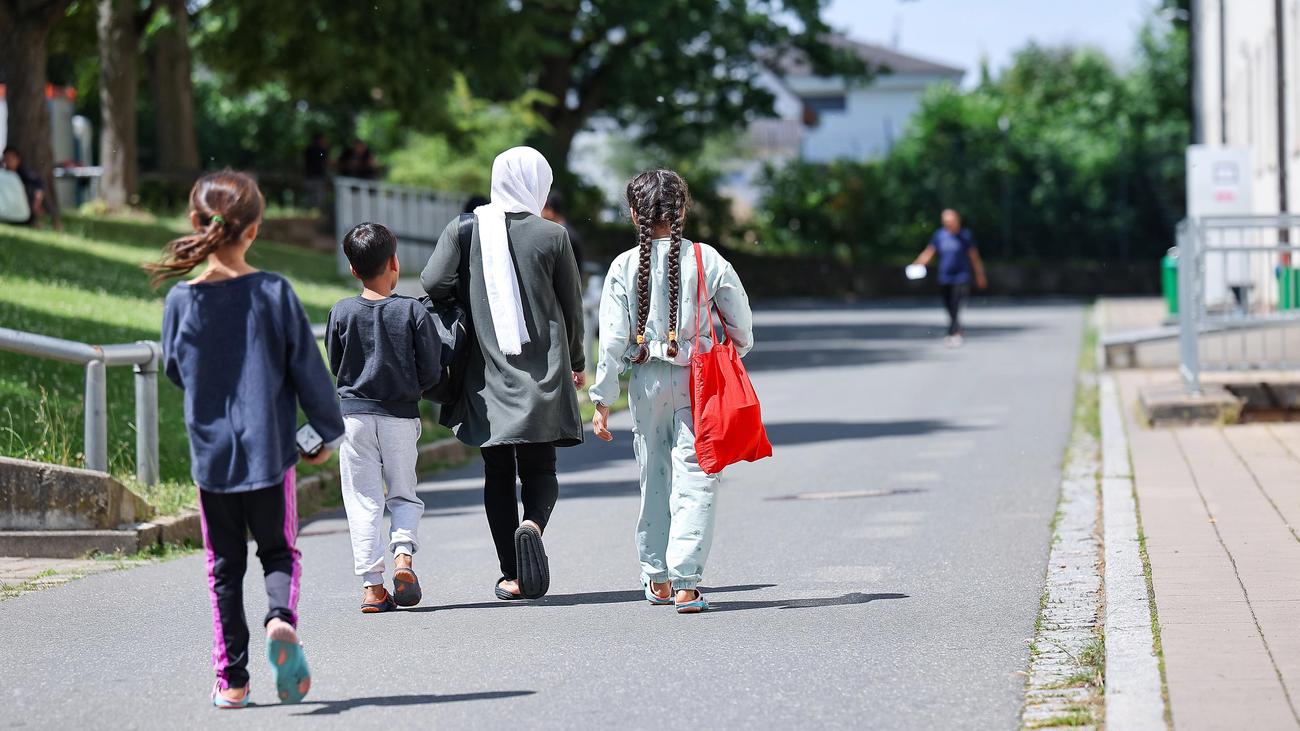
x=385 y=353
x=243 y=352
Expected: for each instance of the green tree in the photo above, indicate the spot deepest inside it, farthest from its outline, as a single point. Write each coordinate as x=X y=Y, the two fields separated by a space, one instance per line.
x=460 y=159
x=1062 y=157
x=674 y=71
x=24 y=32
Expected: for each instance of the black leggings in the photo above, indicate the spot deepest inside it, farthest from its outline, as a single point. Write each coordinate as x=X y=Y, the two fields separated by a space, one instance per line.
x=534 y=464
x=271 y=516
x=953 y=296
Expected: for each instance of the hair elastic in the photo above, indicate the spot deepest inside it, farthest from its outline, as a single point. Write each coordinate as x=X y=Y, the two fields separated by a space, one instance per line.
x=672 y=334
x=218 y=219
x=640 y=340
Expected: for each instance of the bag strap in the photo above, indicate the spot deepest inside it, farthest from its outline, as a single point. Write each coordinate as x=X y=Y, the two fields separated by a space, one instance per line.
x=702 y=303
x=464 y=232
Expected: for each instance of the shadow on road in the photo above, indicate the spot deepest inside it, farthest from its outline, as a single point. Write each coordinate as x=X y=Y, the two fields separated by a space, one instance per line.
x=837 y=331
x=436 y=501
x=330 y=708
x=781 y=356
x=812 y=432
x=836 y=601
x=585 y=598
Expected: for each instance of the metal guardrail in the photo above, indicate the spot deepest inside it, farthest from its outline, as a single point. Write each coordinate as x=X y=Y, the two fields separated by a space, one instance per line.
x=143 y=356
x=416 y=215
x=1239 y=282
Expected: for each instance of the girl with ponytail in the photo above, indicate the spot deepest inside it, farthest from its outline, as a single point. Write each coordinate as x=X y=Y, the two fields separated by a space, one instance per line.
x=237 y=341
x=648 y=323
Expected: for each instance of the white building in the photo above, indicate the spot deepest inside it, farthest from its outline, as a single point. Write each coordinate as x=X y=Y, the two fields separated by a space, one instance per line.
x=832 y=118
x=818 y=119
x=1244 y=86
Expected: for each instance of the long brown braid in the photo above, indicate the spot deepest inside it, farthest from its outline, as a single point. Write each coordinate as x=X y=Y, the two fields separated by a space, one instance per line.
x=658 y=198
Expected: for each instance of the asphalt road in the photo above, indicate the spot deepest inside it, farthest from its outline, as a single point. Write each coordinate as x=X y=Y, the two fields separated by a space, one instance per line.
x=882 y=571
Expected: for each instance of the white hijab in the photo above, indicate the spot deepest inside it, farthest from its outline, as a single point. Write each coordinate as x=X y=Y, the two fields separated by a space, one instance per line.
x=521 y=180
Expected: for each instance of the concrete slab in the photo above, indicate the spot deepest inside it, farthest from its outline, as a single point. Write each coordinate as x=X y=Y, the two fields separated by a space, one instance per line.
x=1168 y=403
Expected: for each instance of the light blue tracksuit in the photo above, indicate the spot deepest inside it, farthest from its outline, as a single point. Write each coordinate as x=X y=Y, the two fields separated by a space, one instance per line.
x=675 y=529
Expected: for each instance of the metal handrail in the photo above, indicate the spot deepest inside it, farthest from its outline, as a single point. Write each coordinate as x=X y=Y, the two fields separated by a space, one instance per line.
x=143 y=355
x=1237 y=274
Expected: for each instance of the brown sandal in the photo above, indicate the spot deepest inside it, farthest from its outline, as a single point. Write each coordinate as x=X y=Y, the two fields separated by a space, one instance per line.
x=385 y=605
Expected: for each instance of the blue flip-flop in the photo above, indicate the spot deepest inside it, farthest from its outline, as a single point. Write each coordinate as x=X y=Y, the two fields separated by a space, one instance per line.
x=290 y=667
x=656 y=600
x=695 y=606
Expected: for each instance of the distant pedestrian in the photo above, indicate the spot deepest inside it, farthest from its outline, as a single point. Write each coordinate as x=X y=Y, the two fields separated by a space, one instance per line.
x=384 y=352
x=649 y=292
x=556 y=211
x=526 y=360
x=357 y=161
x=959 y=263
x=316 y=170
x=238 y=343
x=38 y=199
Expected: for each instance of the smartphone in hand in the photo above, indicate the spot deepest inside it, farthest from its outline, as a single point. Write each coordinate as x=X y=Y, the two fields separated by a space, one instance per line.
x=309 y=442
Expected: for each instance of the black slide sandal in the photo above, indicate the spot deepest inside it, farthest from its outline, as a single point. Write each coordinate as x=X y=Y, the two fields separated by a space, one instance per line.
x=406 y=588
x=505 y=595
x=534 y=568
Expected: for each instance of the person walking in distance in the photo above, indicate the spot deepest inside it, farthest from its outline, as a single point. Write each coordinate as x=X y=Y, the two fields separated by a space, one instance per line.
x=959 y=263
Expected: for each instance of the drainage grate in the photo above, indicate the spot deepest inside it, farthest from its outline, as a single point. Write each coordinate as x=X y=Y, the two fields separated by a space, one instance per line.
x=848 y=494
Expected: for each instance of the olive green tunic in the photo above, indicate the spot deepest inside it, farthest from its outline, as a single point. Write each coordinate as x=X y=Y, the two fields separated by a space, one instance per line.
x=527 y=398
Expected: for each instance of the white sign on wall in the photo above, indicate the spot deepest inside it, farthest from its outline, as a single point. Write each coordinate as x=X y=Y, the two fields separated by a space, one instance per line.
x=1219 y=181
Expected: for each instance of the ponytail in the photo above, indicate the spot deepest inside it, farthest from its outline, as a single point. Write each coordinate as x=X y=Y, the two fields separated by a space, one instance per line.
x=224 y=205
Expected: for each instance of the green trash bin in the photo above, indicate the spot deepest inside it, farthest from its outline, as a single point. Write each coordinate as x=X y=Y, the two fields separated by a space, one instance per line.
x=1288 y=288
x=1169 y=280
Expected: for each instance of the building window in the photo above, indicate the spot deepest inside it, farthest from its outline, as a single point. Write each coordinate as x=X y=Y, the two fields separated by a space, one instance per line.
x=824 y=104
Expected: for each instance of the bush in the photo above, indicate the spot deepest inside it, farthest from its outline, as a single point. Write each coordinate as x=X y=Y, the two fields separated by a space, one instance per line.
x=1062 y=158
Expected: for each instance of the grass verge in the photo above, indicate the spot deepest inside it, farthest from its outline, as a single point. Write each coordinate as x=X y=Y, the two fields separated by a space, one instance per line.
x=1081 y=462
x=85 y=284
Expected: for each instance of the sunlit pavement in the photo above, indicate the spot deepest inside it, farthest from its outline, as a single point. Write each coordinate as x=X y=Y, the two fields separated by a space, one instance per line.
x=883 y=570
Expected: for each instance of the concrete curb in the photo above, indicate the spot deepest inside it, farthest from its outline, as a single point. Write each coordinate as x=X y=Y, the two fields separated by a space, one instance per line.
x=1133 y=693
x=313 y=492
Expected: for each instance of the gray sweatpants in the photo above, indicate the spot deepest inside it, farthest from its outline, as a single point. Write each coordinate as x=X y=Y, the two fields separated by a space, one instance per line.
x=379 y=451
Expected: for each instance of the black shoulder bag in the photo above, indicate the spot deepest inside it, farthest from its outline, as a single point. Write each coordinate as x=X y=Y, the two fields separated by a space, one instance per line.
x=451 y=320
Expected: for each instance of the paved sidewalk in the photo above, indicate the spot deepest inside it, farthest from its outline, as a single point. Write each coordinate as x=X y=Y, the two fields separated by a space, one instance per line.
x=1220 y=507
x=19 y=576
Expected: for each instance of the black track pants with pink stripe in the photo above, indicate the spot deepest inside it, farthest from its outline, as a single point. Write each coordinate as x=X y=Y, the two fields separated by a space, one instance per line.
x=271 y=516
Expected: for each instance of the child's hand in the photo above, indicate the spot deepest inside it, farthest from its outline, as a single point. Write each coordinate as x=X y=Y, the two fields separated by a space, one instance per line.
x=319 y=457
x=579 y=379
x=600 y=423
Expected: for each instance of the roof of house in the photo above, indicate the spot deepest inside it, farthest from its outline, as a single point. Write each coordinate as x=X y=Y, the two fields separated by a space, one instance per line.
x=880 y=58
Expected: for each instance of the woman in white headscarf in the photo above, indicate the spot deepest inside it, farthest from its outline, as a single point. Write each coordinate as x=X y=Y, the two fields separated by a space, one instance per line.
x=519 y=282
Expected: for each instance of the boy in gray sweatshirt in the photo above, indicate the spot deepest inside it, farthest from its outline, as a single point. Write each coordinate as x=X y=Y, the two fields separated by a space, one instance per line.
x=384 y=352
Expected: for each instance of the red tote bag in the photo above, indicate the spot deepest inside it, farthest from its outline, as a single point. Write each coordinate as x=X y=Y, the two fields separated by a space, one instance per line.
x=728 y=419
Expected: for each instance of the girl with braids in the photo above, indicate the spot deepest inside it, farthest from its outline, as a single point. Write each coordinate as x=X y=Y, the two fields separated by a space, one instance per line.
x=648 y=323
x=238 y=342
